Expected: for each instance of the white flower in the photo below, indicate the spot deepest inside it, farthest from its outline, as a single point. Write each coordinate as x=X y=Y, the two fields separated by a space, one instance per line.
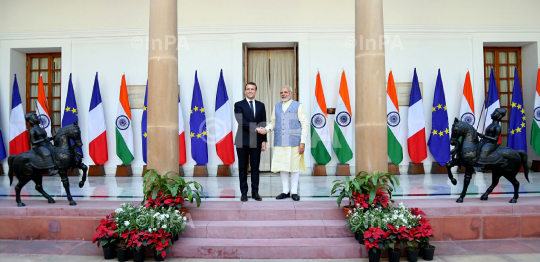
x=167 y=215
x=150 y=230
x=185 y=218
x=164 y=226
x=126 y=223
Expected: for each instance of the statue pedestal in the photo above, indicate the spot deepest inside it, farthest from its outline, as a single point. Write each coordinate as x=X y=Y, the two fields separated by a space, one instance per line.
x=343 y=170
x=393 y=169
x=416 y=169
x=224 y=170
x=2 y=170
x=74 y=172
x=96 y=170
x=200 y=171
x=535 y=166
x=319 y=170
x=124 y=170
x=438 y=169
x=143 y=170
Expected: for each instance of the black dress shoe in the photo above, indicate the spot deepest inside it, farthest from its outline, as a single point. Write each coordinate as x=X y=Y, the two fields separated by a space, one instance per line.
x=243 y=198
x=295 y=197
x=283 y=195
x=256 y=197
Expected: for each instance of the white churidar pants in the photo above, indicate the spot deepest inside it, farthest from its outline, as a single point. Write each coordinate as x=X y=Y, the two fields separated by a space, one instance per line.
x=294 y=181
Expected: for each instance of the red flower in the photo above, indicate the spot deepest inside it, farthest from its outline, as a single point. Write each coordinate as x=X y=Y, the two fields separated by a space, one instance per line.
x=374 y=232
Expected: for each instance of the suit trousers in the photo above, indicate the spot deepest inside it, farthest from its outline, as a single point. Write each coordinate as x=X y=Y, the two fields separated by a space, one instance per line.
x=254 y=155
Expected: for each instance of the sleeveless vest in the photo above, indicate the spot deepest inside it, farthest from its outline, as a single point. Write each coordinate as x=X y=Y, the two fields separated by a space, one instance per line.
x=288 y=130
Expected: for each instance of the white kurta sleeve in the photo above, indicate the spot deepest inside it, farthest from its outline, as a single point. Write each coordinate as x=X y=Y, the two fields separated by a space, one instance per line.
x=272 y=122
x=302 y=117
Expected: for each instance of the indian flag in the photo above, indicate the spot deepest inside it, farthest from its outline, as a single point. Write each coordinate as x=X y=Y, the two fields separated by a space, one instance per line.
x=320 y=137
x=466 y=110
x=393 y=119
x=124 y=131
x=42 y=109
x=343 y=131
x=535 y=132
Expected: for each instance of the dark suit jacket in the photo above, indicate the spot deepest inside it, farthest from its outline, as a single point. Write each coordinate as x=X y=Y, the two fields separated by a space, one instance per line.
x=246 y=134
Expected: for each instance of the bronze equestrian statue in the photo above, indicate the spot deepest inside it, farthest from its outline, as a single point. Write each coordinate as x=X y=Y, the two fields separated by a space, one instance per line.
x=486 y=154
x=44 y=158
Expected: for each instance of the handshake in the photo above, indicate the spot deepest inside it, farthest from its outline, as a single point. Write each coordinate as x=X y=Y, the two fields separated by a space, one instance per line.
x=261 y=130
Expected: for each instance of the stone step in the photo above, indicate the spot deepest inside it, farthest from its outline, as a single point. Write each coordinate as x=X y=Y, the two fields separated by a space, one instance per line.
x=268 y=229
x=298 y=248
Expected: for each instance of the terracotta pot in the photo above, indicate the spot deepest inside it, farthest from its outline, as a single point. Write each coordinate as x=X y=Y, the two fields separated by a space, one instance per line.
x=346 y=210
x=183 y=211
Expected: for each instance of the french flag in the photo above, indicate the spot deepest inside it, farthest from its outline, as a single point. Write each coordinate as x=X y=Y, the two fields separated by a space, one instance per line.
x=223 y=127
x=416 y=124
x=181 y=136
x=97 y=132
x=18 y=136
x=492 y=101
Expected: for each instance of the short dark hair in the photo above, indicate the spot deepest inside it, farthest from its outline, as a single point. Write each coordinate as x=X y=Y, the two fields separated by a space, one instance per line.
x=250 y=83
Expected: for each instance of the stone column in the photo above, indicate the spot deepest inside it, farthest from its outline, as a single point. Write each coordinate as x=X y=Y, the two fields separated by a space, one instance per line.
x=163 y=87
x=370 y=99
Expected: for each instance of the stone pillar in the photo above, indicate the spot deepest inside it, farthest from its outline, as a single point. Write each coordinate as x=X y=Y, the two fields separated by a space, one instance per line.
x=163 y=87
x=370 y=99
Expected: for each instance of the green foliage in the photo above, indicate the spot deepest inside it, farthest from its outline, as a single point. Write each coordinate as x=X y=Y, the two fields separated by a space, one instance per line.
x=171 y=185
x=345 y=188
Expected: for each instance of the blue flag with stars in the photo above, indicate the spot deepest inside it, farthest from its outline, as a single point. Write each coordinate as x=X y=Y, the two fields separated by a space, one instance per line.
x=439 y=140
x=70 y=113
x=144 y=123
x=517 y=135
x=197 y=126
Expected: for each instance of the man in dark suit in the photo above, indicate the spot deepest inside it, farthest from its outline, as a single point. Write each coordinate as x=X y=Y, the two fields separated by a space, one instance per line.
x=251 y=117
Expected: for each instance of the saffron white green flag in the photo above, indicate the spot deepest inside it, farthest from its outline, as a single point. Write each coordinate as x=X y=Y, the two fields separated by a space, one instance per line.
x=320 y=136
x=343 y=131
x=535 y=132
x=393 y=119
x=124 y=131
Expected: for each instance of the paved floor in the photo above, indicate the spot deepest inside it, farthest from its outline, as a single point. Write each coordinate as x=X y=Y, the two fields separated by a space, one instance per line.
x=469 y=258
x=227 y=188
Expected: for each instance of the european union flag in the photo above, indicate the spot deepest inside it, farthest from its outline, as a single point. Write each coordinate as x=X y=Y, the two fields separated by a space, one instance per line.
x=70 y=113
x=144 y=123
x=517 y=135
x=197 y=126
x=439 y=140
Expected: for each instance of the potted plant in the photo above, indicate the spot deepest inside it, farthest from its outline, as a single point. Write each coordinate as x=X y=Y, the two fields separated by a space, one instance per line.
x=345 y=188
x=374 y=239
x=126 y=220
x=425 y=233
x=106 y=236
x=169 y=190
x=370 y=184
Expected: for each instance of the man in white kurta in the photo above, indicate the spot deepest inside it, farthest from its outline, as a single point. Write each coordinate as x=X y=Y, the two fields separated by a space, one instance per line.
x=291 y=128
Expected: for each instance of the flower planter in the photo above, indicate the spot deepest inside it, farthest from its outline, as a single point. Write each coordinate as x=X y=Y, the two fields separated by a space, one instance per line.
x=356 y=235
x=346 y=210
x=393 y=256
x=429 y=252
x=374 y=257
x=122 y=254
x=158 y=257
x=360 y=239
x=412 y=255
x=138 y=256
x=109 y=253
x=183 y=211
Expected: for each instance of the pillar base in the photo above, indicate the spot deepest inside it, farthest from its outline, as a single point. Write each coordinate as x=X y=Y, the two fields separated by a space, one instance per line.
x=319 y=170
x=224 y=170
x=181 y=171
x=124 y=170
x=535 y=166
x=200 y=171
x=343 y=170
x=74 y=172
x=438 y=169
x=393 y=169
x=96 y=170
x=416 y=169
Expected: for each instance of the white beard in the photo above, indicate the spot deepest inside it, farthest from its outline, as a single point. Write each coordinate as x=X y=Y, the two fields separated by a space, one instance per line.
x=286 y=99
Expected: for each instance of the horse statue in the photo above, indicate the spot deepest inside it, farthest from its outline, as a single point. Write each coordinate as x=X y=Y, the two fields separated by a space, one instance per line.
x=47 y=159
x=473 y=154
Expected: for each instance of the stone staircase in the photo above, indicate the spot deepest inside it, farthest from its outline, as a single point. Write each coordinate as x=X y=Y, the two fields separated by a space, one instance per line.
x=267 y=229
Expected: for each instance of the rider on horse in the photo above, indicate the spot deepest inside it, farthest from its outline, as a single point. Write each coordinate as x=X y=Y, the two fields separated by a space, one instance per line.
x=41 y=145
x=489 y=143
